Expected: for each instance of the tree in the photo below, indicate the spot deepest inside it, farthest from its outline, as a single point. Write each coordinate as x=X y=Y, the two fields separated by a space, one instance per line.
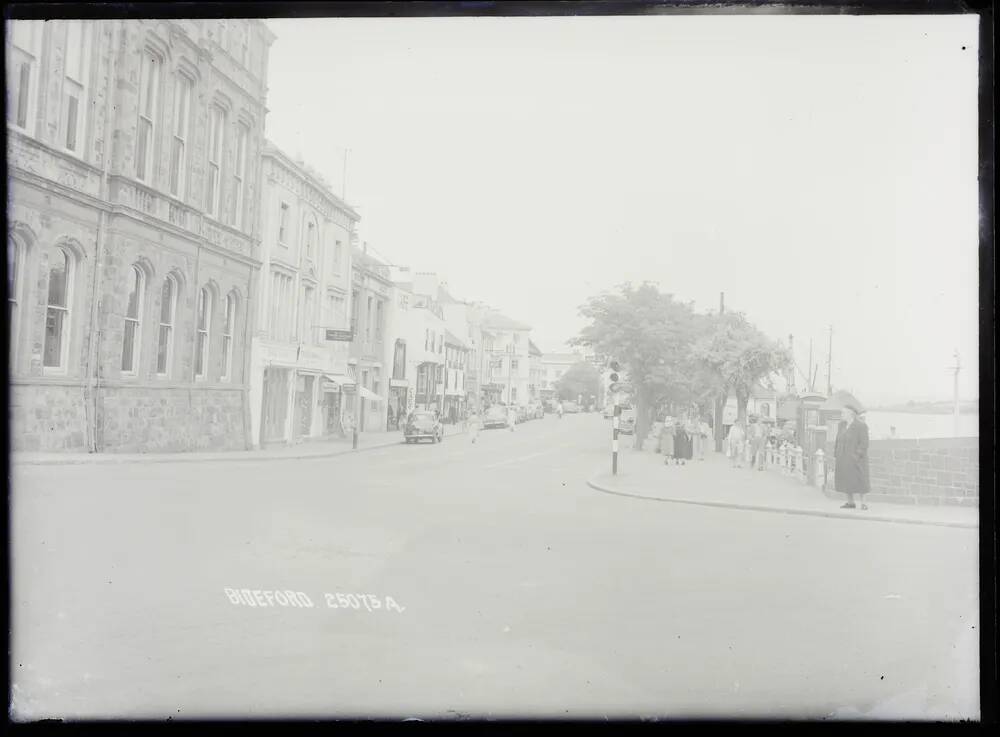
x=580 y=378
x=738 y=355
x=649 y=333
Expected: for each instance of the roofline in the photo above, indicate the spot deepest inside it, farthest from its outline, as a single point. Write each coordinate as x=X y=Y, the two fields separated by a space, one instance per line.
x=272 y=150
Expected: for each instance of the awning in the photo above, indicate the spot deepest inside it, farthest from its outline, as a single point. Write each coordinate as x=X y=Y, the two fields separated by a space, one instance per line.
x=334 y=382
x=369 y=394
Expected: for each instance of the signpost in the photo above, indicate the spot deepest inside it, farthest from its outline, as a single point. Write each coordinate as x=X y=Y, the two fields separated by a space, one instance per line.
x=614 y=389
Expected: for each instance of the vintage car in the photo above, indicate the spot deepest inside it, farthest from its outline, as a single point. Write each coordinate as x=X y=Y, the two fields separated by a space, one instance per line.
x=495 y=416
x=570 y=408
x=423 y=425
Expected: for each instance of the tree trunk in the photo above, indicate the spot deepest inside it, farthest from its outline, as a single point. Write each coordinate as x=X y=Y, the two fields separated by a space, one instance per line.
x=640 y=418
x=742 y=398
x=720 y=403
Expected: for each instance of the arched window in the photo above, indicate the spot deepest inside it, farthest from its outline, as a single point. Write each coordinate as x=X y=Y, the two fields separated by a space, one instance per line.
x=132 y=337
x=58 y=315
x=204 y=330
x=165 y=338
x=15 y=261
x=228 y=327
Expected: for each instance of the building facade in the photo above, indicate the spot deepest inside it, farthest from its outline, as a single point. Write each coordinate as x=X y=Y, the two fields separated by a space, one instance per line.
x=536 y=373
x=298 y=375
x=371 y=287
x=133 y=242
x=554 y=365
x=505 y=347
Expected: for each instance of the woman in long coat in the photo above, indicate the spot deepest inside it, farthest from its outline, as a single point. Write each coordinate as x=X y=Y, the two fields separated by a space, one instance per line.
x=682 y=443
x=850 y=474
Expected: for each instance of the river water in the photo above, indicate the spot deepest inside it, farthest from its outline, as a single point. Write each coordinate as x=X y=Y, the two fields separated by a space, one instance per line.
x=916 y=425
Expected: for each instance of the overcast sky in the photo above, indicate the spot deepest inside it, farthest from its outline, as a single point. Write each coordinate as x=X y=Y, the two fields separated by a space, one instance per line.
x=818 y=170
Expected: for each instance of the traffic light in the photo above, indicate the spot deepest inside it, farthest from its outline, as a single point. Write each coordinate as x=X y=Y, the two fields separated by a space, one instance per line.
x=613 y=376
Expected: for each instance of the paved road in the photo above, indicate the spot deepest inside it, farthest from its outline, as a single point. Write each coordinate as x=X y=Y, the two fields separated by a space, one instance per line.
x=515 y=590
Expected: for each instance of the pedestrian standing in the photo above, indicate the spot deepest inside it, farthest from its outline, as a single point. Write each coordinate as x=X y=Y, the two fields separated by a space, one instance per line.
x=735 y=442
x=511 y=417
x=682 y=444
x=756 y=441
x=851 y=472
x=667 y=446
x=473 y=425
x=390 y=419
x=694 y=433
x=704 y=433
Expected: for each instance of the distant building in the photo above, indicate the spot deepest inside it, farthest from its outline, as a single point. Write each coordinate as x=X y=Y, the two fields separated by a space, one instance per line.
x=133 y=237
x=505 y=347
x=554 y=365
x=536 y=372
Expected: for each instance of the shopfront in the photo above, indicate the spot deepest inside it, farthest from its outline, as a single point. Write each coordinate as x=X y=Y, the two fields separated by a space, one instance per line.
x=398 y=403
x=275 y=404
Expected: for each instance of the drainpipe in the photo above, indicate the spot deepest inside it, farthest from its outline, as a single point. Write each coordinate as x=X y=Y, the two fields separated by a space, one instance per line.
x=93 y=350
x=247 y=333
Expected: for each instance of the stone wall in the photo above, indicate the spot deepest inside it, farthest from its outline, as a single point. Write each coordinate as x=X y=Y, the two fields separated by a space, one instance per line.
x=47 y=418
x=163 y=420
x=928 y=471
x=136 y=419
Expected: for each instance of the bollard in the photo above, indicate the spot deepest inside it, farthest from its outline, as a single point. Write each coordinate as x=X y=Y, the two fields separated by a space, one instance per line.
x=819 y=469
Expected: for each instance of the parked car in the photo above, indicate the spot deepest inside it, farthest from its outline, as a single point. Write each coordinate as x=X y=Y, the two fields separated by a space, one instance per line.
x=537 y=411
x=495 y=416
x=570 y=408
x=626 y=423
x=421 y=425
x=522 y=413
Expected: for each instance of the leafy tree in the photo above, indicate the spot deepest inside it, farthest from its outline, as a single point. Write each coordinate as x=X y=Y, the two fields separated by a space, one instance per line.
x=649 y=333
x=737 y=355
x=580 y=378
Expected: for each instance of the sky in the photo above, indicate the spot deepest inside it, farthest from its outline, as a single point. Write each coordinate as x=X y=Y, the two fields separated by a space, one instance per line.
x=819 y=170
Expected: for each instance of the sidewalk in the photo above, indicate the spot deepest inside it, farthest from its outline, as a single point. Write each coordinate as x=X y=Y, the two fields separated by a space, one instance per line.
x=713 y=483
x=309 y=449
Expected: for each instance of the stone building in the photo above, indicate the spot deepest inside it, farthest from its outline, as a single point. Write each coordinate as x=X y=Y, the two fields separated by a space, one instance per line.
x=298 y=373
x=133 y=155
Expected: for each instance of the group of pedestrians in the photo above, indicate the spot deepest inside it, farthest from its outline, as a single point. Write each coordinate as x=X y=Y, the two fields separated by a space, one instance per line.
x=751 y=441
x=682 y=440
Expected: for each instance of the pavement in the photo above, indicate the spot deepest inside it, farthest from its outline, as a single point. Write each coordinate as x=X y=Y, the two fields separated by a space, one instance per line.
x=461 y=580
x=713 y=482
x=319 y=448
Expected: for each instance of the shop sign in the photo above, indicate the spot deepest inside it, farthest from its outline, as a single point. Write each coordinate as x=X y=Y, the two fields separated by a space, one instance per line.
x=399 y=383
x=341 y=335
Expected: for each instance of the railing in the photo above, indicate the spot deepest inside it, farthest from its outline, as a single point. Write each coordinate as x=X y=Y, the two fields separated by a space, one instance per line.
x=793 y=461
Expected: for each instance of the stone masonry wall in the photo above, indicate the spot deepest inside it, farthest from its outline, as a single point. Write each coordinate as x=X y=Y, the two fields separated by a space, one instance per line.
x=928 y=471
x=47 y=418
x=153 y=420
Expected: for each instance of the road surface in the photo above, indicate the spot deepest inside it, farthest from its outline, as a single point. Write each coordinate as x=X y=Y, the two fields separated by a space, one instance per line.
x=504 y=587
